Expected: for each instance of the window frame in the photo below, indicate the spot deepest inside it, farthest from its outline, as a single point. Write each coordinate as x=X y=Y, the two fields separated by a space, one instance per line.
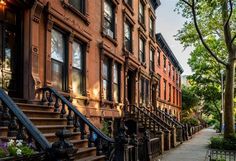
x=141 y=16
x=118 y=84
x=130 y=25
x=82 y=10
x=151 y=31
x=142 y=56
x=144 y=91
x=164 y=89
x=169 y=93
x=83 y=61
x=105 y=19
x=64 y=64
x=164 y=62
x=152 y=61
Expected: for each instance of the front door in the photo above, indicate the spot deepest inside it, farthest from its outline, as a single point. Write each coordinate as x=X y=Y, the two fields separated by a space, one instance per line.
x=10 y=44
x=154 y=95
x=131 y=87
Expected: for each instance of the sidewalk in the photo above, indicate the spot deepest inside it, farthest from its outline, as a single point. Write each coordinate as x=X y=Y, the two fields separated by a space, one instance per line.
x=191 y=150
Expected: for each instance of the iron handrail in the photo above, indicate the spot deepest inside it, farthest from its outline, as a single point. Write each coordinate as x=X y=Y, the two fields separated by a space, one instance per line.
x=80 y=115
x=154 y=120
x=23 y=119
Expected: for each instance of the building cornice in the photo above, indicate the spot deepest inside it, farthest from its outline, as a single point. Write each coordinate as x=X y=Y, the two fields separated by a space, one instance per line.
x=166 y=49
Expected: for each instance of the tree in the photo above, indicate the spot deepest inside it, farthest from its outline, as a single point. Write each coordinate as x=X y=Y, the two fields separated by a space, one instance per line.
x=189 y=98
x=211 y=22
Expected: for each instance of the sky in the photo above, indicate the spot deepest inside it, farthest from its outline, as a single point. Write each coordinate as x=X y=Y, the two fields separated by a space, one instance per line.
x=168 y=23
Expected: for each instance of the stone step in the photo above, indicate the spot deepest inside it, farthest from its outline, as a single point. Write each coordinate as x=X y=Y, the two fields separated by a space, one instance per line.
x=93 y=158
x=85 y=152
x=51 y=137
x=80 y=143
x=3 y=131
x=41 y=113
x=53 y=128
x=48 y=121
x=27 y=106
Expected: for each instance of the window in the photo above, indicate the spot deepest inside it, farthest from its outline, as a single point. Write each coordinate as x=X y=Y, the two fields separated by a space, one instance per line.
x=144 y=92
x=111 y=83
x=106 y=75
x=141 y=50
x=58 y=49
x=159 y=88
x=78 y=55
x=173 y=94
x=169 y=92
x=152 y=67
x=177 y=79
x=164 y=63
x=141 y=12
x=158 y=58
x=169 y=70
x=128 y=36
x=164 y=89
x=177 y=97
x=109 y=19
x=151 y=27
x=78 y=4
x=173 y=75
x=116 y=82
x=129 y=2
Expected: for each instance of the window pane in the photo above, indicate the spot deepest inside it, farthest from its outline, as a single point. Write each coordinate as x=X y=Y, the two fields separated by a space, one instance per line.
x=77 y=82
x=57 y=75
x=105 y=89
x=116 y=93
x=107 y=10
x=78 y=4
x=141 y=45
x=77 y=56
x=105 y=69
x=127 y=31
x=57 y=46
x=115 y=73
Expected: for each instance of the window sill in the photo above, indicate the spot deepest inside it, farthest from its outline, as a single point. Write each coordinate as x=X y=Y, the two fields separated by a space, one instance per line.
x=113 y=40
x=129 y=8
x=83 y=16
x=142 y=25
x=126 y=51
x=144 y=64
x=152 y=37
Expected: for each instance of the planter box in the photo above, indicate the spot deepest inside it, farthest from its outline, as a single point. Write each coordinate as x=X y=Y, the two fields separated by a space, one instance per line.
x=35 y=157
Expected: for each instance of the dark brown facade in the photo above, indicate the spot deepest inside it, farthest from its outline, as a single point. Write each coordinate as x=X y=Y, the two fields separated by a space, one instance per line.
x=104 y=54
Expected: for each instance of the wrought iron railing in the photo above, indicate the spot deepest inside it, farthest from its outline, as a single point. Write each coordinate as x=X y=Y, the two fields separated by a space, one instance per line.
x=145 y=118
x=166 y=124
x=221 y=155
x=19 y=126
x=112 y=148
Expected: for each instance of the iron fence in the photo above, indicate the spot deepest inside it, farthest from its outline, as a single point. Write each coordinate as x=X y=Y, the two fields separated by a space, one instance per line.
x=220 y=155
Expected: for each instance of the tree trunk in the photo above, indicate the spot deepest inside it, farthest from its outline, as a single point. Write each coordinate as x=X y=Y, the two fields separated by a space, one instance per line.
x=229 y=104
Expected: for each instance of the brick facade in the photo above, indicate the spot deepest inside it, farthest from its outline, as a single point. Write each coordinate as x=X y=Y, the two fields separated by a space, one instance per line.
x=57 y=35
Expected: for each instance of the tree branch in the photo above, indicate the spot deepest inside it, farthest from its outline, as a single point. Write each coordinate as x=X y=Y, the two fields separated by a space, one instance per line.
x=230 y=12
x=227 y=30
x=200 y=34
x=233 y=39
x=186 y=2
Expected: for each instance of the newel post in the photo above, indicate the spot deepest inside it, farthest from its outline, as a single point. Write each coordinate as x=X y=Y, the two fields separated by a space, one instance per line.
x=121 y=144
x=63 y=150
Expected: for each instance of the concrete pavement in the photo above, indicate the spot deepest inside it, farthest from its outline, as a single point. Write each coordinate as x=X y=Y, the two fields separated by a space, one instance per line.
x=191 y=150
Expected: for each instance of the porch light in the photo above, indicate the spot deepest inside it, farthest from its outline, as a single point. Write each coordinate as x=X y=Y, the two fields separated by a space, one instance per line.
x=2 y=3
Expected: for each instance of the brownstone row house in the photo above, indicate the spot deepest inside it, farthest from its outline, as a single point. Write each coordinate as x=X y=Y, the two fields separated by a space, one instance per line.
x=104 y=54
